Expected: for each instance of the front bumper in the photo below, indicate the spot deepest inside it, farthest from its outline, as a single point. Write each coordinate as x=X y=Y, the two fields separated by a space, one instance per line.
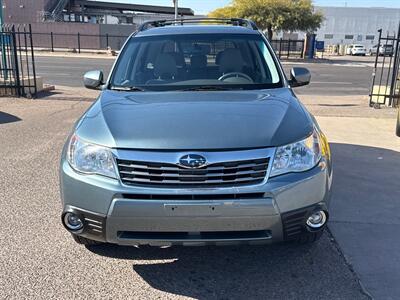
x=270 y=212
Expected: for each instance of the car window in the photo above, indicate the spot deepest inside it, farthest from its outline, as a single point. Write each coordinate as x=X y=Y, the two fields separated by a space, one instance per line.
x=178 y=61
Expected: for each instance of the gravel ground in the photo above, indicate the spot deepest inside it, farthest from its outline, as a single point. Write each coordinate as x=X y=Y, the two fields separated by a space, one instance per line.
x=39 y=259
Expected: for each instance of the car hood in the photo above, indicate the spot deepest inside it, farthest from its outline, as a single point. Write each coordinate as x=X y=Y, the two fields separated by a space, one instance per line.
x=195 y=120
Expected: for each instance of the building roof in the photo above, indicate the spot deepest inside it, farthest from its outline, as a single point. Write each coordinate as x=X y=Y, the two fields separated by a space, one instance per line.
x=134 y=7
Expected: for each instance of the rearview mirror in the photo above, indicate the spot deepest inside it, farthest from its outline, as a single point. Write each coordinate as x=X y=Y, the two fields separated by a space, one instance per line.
x=93 y=80
x=299 y=77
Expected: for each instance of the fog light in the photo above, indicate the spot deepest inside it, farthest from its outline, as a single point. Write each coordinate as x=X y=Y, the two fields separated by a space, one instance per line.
x=316 y=219
x=72 y=221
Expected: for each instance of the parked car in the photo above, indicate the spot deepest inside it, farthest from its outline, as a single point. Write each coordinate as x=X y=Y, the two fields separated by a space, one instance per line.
x=197 y=138
x=356 y=50
x=384 y=50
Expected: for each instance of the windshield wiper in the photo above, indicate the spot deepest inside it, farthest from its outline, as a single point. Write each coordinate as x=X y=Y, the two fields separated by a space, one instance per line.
x=127 y=88
x=207 y=88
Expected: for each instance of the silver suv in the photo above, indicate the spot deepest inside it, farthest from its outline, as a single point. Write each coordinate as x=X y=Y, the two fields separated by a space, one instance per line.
x=196 y=138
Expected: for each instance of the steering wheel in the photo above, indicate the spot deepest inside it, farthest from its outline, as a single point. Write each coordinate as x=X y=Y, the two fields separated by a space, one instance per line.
x=235 y=74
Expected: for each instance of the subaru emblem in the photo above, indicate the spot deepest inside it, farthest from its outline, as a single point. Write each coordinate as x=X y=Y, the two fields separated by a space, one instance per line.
x=192 y=161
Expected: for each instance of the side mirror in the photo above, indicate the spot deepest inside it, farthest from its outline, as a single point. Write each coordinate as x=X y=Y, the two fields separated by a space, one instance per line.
x=93 y=80
x=299 y=77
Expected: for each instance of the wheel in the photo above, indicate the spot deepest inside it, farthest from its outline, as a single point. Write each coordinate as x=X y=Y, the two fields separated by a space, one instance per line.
x=84 y=241
x=310 y=237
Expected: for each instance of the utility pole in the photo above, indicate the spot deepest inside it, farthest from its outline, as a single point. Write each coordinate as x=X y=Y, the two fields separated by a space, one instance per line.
x=175 y=5
x=2 y=41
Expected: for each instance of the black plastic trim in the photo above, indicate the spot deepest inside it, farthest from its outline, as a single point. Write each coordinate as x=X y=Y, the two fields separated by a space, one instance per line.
x=94 y=224
x=294 y=222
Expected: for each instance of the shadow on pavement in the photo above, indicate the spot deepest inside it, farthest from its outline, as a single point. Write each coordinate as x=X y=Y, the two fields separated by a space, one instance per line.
x=7 y=118
x=337 y=105
x=264 y=271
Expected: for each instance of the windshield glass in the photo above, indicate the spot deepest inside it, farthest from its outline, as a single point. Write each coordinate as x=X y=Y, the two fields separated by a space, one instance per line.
x=172 y=62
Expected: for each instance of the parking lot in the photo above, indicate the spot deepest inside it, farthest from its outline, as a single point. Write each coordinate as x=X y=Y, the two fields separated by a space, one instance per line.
x=356 y=259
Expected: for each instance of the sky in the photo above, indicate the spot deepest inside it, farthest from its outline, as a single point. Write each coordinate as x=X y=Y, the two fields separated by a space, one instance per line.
x=205 y=6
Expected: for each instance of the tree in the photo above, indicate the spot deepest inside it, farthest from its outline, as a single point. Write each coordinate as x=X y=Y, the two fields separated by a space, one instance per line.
x=224 y=12
x=274 y=15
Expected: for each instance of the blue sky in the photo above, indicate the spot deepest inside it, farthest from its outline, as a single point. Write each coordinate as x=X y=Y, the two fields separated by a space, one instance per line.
x=204 y=6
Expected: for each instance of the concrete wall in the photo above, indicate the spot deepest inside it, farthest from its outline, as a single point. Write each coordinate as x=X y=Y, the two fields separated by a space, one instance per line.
x=65 y=35
x=92 y=36
x=118 y=35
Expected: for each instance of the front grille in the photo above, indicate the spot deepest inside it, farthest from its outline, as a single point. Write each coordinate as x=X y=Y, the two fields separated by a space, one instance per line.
x=231 y=173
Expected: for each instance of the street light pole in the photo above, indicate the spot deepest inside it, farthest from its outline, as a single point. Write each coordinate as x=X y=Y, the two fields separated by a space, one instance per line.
x=175 y=5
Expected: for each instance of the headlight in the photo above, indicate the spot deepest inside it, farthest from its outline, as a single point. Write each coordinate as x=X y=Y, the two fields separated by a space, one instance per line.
x=89 y=158
x=297 y=157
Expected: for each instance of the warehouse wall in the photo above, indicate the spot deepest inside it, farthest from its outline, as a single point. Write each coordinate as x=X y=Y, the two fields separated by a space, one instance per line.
x=17 y=11
x=348 y=25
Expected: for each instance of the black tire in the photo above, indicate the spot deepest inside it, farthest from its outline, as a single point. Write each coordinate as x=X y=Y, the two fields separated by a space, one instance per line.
x=84 y=241
x=310 y=237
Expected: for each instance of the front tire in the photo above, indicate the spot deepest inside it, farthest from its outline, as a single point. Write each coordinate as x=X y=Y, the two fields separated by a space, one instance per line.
x=84 y=241
x=310 y=237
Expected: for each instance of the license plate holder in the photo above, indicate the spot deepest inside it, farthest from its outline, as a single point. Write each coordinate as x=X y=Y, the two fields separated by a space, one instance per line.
x=192 y=210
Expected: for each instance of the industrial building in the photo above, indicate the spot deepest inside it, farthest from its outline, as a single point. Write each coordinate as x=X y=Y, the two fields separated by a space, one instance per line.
x=73 y=24
x=82 y=11
x=357 y=25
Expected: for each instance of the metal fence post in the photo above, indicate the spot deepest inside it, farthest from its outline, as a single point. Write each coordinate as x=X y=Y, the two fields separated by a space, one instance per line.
x=395 y=70
x=107 y=41
x=79 y=42
x=17 y=78
x=33 y=58
x=52 y=41
x=280 y=47
x=288 y=49
x=375 y=69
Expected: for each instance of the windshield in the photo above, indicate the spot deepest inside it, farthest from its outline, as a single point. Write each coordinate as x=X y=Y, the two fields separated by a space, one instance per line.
x=208 y=61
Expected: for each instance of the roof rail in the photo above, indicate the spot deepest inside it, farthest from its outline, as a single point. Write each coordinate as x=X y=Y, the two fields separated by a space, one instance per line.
x=232 y=21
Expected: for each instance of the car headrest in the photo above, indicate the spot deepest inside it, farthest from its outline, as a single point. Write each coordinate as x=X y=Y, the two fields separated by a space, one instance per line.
x=165 y=66
x=198 y=61
x=231 y=60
